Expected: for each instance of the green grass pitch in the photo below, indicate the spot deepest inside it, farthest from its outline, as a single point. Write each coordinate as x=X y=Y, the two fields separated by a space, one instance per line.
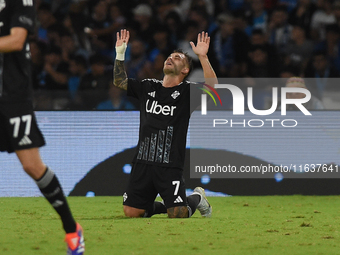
x=240 y=225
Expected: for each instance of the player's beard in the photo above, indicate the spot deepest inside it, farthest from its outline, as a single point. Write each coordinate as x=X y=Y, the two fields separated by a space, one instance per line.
x=173 y=70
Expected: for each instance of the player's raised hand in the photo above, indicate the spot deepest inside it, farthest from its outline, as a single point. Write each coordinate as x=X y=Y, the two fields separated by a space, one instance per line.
x=122 y=37
x=202 y=46
x=121 y=44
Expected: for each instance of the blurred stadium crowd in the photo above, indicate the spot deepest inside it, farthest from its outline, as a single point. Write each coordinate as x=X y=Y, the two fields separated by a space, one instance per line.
x=73 y=48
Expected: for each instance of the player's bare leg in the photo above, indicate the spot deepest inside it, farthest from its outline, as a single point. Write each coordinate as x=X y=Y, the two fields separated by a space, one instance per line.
x=52 y=190
x=31 y=162
x=174 y=212
x=133 y=212
x=178 y=212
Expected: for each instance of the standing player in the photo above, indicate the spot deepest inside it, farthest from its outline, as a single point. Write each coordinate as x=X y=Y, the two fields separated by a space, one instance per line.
x=164 y=119
x=19 y=132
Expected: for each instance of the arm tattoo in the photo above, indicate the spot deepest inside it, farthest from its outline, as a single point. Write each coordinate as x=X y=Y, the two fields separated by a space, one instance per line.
x=119 y=75
x=178 y=212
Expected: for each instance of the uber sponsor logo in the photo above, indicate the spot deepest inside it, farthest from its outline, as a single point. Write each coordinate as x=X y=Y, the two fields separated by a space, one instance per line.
x=155 y=108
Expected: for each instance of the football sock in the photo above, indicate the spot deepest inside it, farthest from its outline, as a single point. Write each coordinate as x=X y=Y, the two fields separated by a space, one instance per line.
x=193 y=202
x=157 y=208
x=52 y=191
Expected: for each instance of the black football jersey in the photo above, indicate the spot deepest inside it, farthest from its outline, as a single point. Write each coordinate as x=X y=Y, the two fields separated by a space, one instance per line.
x=164 y=120
x=15 y=67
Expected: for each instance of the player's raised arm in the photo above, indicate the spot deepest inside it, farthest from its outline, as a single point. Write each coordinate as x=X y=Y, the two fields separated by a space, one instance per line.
x=201 y=50
x=119 y=75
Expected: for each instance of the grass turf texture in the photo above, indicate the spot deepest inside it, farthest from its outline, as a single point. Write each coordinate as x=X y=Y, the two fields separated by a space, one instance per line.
x=240 y=225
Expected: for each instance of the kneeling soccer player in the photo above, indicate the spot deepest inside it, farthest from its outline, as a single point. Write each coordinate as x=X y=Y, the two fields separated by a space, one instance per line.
x=164 y=118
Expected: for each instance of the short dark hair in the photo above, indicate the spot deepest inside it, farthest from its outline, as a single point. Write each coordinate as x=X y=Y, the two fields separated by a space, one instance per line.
x=44 y=7
x=281 y=8
x=189 y=59
x=255 y=47
x=257 y=31
x=333 y=28
x=80 y=60
x=295 y=70
x=54 y=50
x=98 y=59
x=319 y=53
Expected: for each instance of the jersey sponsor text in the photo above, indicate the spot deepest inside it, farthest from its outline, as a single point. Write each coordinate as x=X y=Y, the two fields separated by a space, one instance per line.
x=156 y=108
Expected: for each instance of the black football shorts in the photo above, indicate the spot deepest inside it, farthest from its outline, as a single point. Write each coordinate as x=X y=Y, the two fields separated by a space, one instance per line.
x=146 y=181
x=18 y=127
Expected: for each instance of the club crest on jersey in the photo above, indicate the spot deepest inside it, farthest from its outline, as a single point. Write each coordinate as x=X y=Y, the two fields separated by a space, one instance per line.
x=175 y=94
x=2 y=5
x=125 y=196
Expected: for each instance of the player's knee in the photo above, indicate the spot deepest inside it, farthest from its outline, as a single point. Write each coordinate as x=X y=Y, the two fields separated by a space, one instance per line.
x=29 y=168
x=33 y=170
x=133 y=212
x=178 y=212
